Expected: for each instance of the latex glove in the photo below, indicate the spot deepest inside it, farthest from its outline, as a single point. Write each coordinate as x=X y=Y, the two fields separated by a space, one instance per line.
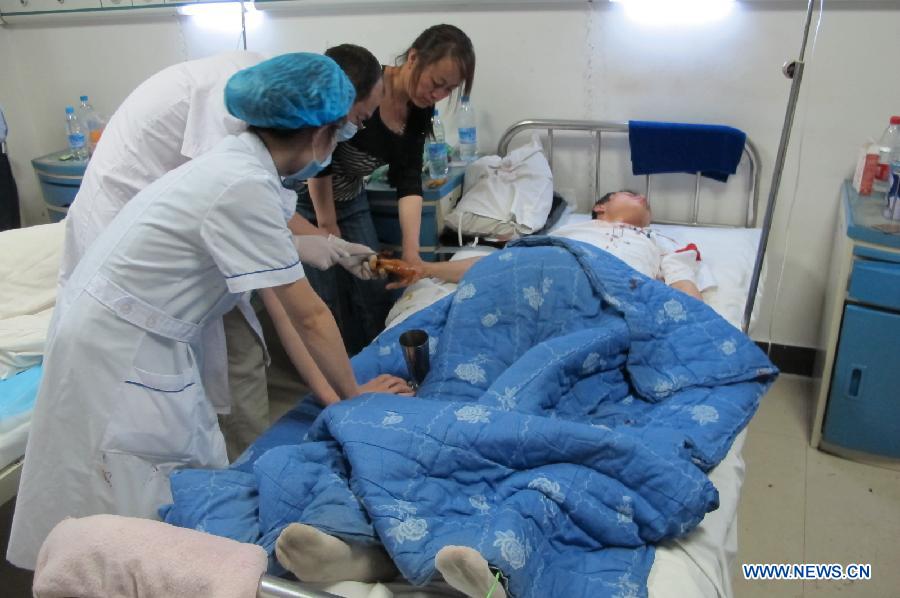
x=357 y=260
x=319 y=252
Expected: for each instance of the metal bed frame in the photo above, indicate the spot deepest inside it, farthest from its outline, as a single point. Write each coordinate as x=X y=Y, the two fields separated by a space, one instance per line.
x=598 y=128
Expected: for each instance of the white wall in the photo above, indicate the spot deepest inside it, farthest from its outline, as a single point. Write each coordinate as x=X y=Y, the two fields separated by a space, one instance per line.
x=581 y=61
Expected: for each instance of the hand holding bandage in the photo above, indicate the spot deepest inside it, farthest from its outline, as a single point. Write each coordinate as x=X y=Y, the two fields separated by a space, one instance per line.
x=356 y=262
x=318 y=251
x=324 y=252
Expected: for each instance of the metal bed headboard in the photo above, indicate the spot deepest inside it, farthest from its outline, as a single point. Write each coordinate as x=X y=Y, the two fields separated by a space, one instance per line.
x=599 y=128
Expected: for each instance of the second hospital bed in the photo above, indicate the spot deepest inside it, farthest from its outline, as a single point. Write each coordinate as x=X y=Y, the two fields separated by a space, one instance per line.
x=699 y=564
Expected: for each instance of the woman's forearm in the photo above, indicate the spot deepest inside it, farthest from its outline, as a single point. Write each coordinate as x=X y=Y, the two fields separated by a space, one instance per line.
x=296 y=350
x=319 y=333
x=301 y=226
x=322 y=196
x=410 y=213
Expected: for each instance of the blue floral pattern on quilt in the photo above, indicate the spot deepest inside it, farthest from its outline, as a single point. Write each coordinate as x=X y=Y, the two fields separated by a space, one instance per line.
x=571 y=413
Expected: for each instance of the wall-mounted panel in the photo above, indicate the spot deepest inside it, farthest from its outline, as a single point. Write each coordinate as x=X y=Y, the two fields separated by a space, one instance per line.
x=40 y=6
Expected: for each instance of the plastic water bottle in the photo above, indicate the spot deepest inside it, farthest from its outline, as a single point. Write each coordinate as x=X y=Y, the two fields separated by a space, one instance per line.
x=438 y=165
x=76 y=135
x=888 y=146
x=468 y=134
x=92 y=122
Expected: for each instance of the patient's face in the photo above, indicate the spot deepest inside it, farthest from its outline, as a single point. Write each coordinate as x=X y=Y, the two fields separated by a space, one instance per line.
x=625 y=206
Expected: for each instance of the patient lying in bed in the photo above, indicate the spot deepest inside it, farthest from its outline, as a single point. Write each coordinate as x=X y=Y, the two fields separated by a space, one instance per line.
x=620 y=226
x=572 y=410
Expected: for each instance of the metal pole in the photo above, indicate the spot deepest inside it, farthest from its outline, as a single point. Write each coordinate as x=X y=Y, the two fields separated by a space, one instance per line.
x=794 y=71
x=243 y=26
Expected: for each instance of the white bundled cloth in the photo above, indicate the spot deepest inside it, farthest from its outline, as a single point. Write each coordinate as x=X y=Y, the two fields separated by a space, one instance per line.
x=29 y=263
x=505 y=197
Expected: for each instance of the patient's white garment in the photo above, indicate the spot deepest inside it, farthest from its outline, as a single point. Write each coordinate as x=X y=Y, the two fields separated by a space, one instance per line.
x=644 y=249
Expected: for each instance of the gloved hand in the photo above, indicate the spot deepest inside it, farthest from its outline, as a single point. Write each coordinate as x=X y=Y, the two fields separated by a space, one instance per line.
x=319 y=252
x=357 y=260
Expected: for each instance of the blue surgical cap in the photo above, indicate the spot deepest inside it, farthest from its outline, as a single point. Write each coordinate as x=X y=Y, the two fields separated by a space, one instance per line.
x=291 y=91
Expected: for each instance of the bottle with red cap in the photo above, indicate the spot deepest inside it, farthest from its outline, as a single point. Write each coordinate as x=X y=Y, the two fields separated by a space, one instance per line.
x=888 y=151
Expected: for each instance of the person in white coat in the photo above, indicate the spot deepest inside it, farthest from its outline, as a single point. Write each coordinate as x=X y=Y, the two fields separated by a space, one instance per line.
x=122 y=402
x=174 y=116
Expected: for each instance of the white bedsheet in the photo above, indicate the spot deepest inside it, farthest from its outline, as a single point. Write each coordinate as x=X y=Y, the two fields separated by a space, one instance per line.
x=29 y=264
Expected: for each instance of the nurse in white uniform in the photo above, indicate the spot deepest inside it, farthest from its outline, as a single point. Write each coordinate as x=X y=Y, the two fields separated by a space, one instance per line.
x=122 y=401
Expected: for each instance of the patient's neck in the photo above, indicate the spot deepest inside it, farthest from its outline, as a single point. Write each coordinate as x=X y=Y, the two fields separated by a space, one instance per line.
x=635 y=222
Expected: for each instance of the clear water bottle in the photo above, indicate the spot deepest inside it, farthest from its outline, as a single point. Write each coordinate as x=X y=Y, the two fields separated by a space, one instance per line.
x=468 y=134
x=436 y=148
x=92 y=122
x=887 y=146
x=76 y=135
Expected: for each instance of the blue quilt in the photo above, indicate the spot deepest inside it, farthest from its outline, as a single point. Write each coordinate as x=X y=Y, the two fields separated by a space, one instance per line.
x=572 y=409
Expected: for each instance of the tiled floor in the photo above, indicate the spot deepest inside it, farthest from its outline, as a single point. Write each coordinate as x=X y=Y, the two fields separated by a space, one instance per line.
x=800 y=505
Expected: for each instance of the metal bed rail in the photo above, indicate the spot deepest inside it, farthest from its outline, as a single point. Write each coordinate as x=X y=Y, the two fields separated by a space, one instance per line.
x=599 y=128
x=273 y=587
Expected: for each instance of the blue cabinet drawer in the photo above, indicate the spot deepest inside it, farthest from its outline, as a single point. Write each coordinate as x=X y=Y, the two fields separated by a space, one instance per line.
x=863 y=412
x=876 y=282
x=58 y=195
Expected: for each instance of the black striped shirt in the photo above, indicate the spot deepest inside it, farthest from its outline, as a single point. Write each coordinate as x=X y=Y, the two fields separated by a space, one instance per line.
x=375 y=145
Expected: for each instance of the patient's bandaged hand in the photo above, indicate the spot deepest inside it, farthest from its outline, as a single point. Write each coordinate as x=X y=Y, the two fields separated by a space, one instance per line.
x=683 y=264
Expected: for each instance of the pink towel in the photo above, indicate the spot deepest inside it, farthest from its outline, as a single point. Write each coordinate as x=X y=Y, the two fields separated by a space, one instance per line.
x=107 y=555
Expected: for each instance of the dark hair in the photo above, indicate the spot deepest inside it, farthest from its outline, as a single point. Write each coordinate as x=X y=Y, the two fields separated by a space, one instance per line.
x=606 y=198
x=600 y=202
x=438 y=42
x=360 y=66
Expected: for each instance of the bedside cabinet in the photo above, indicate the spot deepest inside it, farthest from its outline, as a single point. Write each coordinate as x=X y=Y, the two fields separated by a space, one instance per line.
x=60 y=180
x=857 y=412
x=436 y=203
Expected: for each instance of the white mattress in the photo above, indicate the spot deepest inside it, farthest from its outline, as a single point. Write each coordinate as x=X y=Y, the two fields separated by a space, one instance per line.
x=699 y=564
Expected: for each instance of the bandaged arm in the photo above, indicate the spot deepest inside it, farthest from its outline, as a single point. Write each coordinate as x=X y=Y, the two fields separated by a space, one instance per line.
x=680 y=269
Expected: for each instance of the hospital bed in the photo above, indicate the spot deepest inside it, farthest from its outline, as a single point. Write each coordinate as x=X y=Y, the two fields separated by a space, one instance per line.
x=699 y=564
x=29 y=262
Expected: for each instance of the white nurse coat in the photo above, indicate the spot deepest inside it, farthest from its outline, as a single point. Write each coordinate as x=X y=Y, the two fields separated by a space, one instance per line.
x=174 y=116
x=122 y=402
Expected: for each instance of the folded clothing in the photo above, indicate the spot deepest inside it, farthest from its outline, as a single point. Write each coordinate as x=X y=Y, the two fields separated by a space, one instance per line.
x=109 y=555
x=712 y=150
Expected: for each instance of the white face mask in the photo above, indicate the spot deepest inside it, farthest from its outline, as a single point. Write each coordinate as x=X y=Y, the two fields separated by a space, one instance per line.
x=307 y=172
x=347 y=132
